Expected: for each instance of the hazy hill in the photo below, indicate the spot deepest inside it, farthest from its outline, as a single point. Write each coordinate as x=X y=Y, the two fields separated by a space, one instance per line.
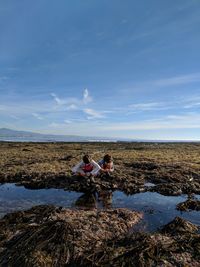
x=13 y=135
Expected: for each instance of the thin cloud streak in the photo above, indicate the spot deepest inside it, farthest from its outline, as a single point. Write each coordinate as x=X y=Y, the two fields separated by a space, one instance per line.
x=192 y=105
x=178 y=80
x=93 y=114
x=59 y=125
x=37 y=116
x=67 y=121
x=14 y=117
x=187 y=121
x=57 y=99
x=65 y=101
x=156 y=84
x=72 y=107
x=146 y=106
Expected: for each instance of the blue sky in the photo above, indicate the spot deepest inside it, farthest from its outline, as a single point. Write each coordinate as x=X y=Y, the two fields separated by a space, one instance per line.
x=101 y=68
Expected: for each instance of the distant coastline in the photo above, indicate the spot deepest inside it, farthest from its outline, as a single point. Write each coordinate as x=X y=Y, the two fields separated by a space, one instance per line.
x=9 y=135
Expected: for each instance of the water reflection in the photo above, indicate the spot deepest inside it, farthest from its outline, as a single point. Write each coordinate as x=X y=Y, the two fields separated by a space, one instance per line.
x=102 y=199
x=14 y=198
x=87 y=200
x=105 y=197
x=157 y=209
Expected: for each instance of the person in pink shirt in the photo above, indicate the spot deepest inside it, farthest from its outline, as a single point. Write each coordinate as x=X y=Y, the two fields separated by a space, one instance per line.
x=107 y=166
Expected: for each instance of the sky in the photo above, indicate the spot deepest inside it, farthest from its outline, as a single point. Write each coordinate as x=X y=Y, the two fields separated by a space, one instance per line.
x=128 y=69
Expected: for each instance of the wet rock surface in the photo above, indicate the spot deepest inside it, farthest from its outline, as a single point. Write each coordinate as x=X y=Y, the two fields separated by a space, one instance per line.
x=50 y=236
x=179 y=226
x=190 y=204
x=167 y=248
x=54 y=236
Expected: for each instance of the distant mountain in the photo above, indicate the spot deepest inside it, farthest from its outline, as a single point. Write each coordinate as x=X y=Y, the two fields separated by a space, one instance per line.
x=25 y=136
x=9 y=133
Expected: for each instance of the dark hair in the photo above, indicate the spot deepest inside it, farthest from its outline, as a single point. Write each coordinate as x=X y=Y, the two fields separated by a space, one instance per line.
x=86 y=159
x=107 y=158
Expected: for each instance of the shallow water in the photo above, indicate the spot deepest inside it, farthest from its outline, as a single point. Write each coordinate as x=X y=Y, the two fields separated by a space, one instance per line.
x=14 y=198
x=157 y=209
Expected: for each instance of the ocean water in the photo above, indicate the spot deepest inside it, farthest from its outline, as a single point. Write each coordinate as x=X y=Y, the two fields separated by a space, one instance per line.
x=157 y=209
x=51 y=138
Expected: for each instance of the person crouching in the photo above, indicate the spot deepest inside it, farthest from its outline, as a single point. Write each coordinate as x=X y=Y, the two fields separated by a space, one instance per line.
x=87 y=167
x=107 y=166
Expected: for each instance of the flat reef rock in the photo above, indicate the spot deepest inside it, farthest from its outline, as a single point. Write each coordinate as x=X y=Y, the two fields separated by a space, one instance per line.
x=55 y=236
x=173 y=168
x=50 y=236
x=164 y=249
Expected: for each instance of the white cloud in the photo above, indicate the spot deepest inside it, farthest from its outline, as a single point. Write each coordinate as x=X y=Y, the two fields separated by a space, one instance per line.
x=187 y=121
x=14 y=117
x=65 y=101
x=86 y=96
x=73 y=102
x=93 y=114
x=178 y=80
x=37 y=116
x=72 y=107
x=57 y=99
x=192 y=105
x=54 y=125
x=146 y=106
x=157 y=84
x=61 y=125
x=67 y=121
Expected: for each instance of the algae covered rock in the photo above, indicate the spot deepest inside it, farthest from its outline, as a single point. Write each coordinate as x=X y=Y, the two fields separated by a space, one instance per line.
x=179 y=226
x=50 y=236
x=190 y=204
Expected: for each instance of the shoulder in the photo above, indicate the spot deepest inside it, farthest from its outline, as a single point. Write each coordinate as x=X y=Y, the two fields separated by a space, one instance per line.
x=93 y=161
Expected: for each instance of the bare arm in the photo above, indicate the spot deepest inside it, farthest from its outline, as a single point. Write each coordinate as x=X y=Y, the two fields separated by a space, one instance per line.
x=77 y=167
x=96 y=169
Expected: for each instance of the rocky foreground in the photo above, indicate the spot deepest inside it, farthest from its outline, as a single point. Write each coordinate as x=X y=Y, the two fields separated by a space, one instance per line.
x=49 y=236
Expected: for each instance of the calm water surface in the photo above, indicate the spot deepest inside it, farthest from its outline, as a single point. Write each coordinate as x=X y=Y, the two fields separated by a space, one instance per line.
x=157 y=209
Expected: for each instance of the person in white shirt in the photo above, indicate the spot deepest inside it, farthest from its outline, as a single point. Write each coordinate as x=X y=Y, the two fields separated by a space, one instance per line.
x=87 y=167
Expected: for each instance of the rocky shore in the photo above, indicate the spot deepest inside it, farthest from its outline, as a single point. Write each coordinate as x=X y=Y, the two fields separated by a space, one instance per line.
x=55 y=236
x=173 y=168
